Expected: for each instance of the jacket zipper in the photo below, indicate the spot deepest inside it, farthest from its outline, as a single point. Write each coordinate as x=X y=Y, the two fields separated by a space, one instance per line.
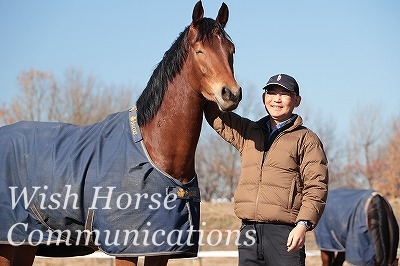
x=265 y=153
x=262 y=165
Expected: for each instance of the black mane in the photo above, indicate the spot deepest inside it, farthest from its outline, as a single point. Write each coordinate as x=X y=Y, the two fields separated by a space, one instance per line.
x=170 y=65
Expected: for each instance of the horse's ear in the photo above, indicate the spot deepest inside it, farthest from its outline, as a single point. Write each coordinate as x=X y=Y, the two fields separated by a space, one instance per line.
x=198 y=13
x=223 y=15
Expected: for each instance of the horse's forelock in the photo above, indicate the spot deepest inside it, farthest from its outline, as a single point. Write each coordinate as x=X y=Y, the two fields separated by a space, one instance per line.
x=206 y=30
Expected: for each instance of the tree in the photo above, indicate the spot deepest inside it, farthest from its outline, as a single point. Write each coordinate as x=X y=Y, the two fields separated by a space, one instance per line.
x=33 y=98
x=79 y=100
x=218 y=167
x=364 y=146
x=325 y=128
x=388 y=182
x=85 y=100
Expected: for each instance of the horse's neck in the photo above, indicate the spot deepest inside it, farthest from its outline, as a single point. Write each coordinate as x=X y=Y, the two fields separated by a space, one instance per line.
x=172 y=136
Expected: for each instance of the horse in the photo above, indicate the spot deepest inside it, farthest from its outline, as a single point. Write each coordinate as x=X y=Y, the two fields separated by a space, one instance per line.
x=61 y=183
x=357 y=226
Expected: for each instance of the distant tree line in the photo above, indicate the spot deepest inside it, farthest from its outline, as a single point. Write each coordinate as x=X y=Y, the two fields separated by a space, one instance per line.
x=75 y=99
x=367 y=158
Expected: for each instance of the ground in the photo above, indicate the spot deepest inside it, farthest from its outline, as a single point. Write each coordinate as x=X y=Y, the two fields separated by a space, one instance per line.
x=218 y=223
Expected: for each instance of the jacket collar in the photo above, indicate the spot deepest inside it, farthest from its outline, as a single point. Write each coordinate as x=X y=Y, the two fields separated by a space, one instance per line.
x=294 y=121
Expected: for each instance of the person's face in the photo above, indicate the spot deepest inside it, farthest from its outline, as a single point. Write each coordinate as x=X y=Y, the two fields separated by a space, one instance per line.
x=280 y=103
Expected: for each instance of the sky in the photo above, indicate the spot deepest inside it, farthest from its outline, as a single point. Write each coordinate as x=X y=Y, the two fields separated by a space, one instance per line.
x=344 y=54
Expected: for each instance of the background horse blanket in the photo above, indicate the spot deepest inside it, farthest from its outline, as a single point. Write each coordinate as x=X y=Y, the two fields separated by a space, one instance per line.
x=58 y=180
x=343 y=226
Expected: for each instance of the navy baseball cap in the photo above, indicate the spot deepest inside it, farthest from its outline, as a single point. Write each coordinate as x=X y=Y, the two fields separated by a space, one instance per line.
x=284 y=81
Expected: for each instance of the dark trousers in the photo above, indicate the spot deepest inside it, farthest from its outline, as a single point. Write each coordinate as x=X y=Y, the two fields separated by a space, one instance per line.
x=265 y=244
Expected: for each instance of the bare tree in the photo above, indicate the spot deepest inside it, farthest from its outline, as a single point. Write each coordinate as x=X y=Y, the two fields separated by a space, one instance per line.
x=218 y=167
x=388 y=182
x=84 y=100
x=210 y=182
x=33 y=99
x=78 y=99
x=363 y=147
x=325 y=128
x=2 y=113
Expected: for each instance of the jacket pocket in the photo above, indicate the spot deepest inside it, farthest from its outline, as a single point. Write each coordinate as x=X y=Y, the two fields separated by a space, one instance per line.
x=292 y=194
x=294 y=200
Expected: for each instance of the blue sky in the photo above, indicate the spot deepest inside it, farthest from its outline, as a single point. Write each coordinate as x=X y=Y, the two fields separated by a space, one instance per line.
x=344 y=54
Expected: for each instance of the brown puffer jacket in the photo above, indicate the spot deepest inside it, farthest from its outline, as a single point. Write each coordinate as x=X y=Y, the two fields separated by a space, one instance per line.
x=285 y=184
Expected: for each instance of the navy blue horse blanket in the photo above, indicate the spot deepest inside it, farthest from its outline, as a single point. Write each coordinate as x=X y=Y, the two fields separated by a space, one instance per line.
x=93 y=186
x=343 y=226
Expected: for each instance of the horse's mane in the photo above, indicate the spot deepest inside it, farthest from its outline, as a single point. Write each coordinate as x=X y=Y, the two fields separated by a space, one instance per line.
x=170 y=65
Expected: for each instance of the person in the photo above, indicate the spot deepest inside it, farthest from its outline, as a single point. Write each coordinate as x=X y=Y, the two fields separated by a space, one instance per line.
x=283 y=186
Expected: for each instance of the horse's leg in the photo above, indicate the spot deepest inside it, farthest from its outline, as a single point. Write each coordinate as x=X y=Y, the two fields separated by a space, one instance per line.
x=156 y=261
x=20 y=256
x=125 y=261
x=24 y=255
x=7 y=255
x=339 y=259
x=327 y=257
x=149 y=261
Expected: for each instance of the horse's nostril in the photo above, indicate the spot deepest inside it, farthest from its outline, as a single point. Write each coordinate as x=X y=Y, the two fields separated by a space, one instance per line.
x=227 y=94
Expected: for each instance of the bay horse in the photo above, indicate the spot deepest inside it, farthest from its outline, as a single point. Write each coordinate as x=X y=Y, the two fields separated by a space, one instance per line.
x=60 y=182
x=357 y=226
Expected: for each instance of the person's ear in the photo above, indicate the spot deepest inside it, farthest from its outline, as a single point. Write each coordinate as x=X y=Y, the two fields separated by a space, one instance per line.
x=298 y=100
x=263 y=98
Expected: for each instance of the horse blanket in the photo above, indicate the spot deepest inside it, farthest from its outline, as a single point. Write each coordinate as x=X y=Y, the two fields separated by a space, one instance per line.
x=343 y=226
x=95 y=186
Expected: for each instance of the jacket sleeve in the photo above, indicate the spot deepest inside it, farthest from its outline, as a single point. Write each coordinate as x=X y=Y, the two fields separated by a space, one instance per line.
x=230 y=126
x=314 y=172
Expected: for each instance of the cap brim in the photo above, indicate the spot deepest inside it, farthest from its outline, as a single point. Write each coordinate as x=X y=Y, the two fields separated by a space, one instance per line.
x=275 y=83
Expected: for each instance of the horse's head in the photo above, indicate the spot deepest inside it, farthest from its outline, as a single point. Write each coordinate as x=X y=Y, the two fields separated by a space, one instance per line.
x=211 y=54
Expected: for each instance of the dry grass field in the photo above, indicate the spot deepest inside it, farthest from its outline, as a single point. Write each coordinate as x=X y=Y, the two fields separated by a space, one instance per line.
x=215 y=218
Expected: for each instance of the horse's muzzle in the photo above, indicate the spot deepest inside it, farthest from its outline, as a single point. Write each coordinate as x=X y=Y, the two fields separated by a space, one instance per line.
x=231 y=99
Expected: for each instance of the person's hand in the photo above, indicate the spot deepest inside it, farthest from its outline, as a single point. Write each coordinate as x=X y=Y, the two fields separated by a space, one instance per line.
x=297 y=238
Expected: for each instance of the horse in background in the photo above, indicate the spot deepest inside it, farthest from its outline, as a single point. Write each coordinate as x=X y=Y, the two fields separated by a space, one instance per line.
x=357 y=226
x=165 y=126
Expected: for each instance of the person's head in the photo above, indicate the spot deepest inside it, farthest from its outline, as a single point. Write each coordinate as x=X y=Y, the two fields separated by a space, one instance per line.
x=280 y=97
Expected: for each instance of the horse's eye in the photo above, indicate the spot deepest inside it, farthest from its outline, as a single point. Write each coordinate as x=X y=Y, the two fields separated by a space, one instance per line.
x=199 y=52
